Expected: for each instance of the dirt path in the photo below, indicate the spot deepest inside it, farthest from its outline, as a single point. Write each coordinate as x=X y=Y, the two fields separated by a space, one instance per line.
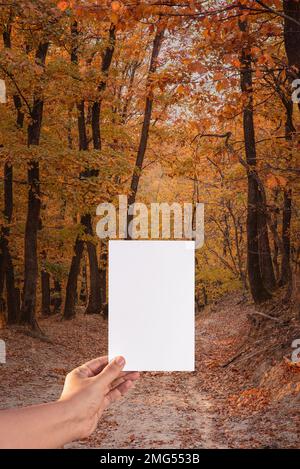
x=165 y=421
x=165 y=410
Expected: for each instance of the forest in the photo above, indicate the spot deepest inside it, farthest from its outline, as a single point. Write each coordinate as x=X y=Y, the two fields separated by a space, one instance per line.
x=162 y=101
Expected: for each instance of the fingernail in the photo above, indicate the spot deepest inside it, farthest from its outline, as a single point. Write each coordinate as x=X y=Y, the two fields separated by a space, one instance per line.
x=120 y=361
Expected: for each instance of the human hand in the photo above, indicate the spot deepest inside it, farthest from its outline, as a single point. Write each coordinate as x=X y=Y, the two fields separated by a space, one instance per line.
x=91 y=388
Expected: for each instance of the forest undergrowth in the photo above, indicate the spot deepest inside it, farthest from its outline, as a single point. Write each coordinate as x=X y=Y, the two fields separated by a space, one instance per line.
x=245 y=392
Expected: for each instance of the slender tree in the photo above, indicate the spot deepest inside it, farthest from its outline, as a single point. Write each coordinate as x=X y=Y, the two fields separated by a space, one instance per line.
x=95 y=299
x=34 y=201
x=97 y=292
x=105 y=66
x=254 y=210
x=71 y=288
x=7 y=271
x=146 y=122
x=291 y=9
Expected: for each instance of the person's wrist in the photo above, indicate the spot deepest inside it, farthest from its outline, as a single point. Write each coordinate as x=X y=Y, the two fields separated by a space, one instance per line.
x=74 y=423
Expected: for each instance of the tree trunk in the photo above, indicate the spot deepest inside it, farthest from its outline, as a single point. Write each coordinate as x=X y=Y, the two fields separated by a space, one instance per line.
x=2 y=281
x=7 y=267
x=95 y=124
x=71 y=289
x=94 y=303
x=13 y=303
x=286 y=272
x=7 y=276
x=13 y=312
x=46 y=299
x=103 y=272
x=95 y=299
x=83 y=287
x=83 y=140
x=57 y=300
x=95 y=295
x=33 y=208
x=265 y=255
x=291 y=9
x=6 y=263
x=146 y=125
x=258 y=290
x=30 y=254
x=274 y=231
x=96 y=108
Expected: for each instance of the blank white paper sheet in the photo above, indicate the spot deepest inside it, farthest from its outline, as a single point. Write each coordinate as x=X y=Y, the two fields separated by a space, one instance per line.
x=151 y=304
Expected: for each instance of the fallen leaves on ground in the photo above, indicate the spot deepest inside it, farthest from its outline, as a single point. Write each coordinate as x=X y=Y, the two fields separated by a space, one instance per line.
x=251 y=403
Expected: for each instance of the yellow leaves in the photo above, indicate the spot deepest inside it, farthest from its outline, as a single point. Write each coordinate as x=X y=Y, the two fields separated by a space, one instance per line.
x=218 y=76
x=255 y=51
x=206 y=33
x=228 y=111
x=194 y=126
x=181 y=90
x=117 y=9
x=62 y=5
x=236 y=63
x=115 y=6
x=243 y=2
x=38 y=69
x=273 y=181
x=292 y=365
x=80 y=11
x=114 y=18
x=254 y=399
x=265 y=59
x=221 y=85
x=197 y=67
x=283 y=75
x=205 y=123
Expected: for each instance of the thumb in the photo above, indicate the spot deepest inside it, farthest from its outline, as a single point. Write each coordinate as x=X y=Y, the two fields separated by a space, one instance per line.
x=112 y=370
